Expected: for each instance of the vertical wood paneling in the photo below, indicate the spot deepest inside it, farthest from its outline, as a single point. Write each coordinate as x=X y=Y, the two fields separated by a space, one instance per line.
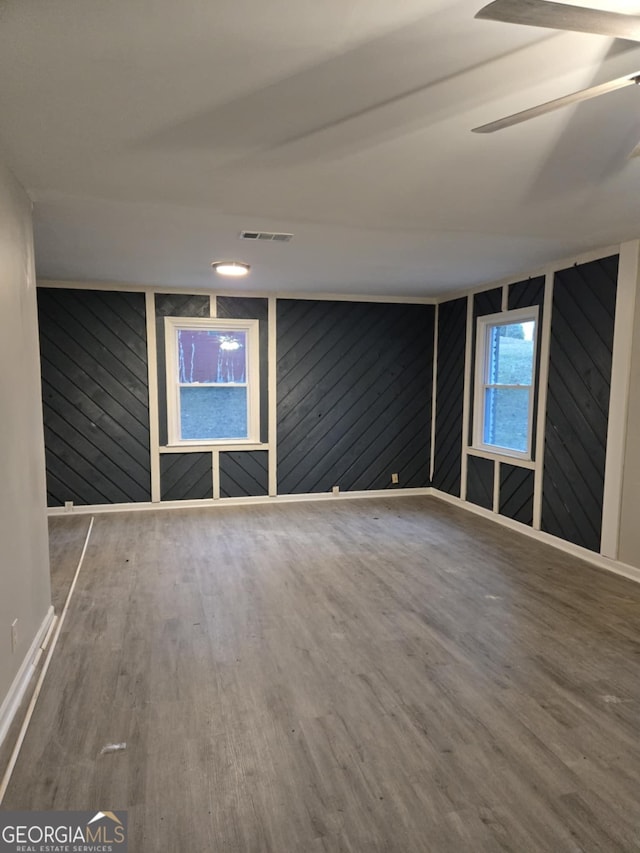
x=246 y=308
x=452 y=324
x=480 y=481
x=354 y=395
x=516 y=493
x=244 y=474
x=186 y=476
x=582 y=328
x=95 y=396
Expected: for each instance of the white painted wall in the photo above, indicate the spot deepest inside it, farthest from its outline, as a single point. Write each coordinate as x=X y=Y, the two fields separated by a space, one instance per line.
x=24 y=558
x=629 y=542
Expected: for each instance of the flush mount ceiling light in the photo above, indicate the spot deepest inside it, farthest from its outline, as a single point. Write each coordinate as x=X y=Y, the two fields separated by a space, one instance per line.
x=232 y=268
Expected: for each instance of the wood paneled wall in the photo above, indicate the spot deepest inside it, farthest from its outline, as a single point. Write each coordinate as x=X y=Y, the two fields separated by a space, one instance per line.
x=354 y=395
x=582 y=326
x=95 y=396
x=452 y=332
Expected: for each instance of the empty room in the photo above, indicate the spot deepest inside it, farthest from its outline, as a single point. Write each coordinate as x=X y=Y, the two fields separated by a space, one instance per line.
x=320 y=457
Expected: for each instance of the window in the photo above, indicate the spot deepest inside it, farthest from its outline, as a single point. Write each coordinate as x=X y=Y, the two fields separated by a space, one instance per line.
x=212 y=380
x=504 y=382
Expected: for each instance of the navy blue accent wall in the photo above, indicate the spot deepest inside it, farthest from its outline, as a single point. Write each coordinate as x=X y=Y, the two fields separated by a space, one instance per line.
x=525 y=294
x=246 y=308
x=452 y=333
x=172 y=305
x=95 y=396
x=516 y=493
x=354 y=395
x=244 y=473
x=584 y=300
x=480 y=481
x=485 y=302
x=186 y=476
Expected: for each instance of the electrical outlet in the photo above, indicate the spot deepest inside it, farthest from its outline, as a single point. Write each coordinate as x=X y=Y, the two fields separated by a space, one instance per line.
x=394 y=478
x=336 y=490
x=14 y=635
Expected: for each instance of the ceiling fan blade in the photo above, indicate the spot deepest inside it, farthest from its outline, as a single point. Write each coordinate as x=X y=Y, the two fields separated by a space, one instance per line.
x=566 y=100
x=558 y=16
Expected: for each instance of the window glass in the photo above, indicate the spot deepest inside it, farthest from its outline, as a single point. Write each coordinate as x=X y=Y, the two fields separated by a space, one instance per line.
x=511 y=354
x=212 y=357
x=213 y=412
x=505 y=370
x=506 y=418
x=212 y=380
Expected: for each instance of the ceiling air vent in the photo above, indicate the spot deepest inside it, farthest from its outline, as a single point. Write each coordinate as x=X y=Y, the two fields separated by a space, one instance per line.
x=268 y=236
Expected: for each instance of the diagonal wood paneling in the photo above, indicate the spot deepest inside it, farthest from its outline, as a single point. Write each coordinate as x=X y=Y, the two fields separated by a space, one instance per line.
x=172 y=305
x=480 y=481
x=95 y=396
x=578 y=401
x=248 y=308
x=485 y=302
x=354 y=395
x=516 y=493
x=524 y=294
x=452 y=333
x=244 y=473
x=186 y=476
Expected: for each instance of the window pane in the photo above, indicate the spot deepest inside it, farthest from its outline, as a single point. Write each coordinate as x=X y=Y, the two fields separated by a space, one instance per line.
x=210 y=412
x=511 y=354
x=506 y=417
x=205 y=356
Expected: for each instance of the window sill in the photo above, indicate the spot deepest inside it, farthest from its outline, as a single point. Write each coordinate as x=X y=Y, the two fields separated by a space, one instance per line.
x=502 y=456
x=206 y=447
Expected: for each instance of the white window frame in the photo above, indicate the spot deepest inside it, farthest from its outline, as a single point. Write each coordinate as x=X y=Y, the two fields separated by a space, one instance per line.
x=172 y=325
x=483 y=353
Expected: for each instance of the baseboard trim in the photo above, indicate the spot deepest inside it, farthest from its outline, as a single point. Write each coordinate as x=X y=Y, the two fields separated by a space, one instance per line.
x=615 y=566
x=18 y=688
x=96 y=509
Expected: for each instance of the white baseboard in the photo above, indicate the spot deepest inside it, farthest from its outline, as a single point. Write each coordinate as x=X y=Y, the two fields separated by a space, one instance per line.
x=585 y=554
x=18 y=688
x=96 y=509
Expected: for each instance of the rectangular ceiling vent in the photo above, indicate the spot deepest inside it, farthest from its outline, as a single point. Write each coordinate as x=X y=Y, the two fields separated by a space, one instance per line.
x=269 y=236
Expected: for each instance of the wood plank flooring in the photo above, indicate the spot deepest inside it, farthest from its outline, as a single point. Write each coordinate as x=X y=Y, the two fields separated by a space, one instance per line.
x=378 y=676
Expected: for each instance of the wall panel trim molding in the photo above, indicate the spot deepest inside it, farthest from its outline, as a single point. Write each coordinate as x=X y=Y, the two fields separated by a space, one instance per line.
x=543 y=383
x=466 y=398
x=99 y=509
x=434 y=394
x=152 y=372
x=272 y=381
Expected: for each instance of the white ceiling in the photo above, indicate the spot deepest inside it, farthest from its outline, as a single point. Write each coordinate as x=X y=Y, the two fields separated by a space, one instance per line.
x=150 y=132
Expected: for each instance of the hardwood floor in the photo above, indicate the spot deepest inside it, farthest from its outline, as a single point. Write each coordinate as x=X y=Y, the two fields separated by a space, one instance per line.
x=382 y=675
